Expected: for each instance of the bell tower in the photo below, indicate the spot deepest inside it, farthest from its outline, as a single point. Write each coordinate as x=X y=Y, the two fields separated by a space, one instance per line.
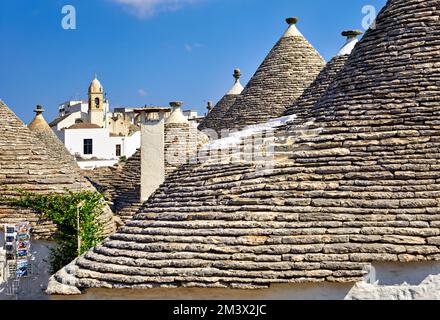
x=96 y=103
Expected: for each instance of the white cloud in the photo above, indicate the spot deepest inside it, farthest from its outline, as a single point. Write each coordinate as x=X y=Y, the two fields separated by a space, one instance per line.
x=191 y=47
x=142 y=93
x=148 y=8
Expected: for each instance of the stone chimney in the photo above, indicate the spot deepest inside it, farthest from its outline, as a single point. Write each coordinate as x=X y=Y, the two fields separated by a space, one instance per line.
x=152 y=154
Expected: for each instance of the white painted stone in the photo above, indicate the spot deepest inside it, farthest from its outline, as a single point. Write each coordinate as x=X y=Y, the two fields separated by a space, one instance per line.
x=292 y=31
x=236 y=89
x=152 y=157
x=176 y=117
x=348 y=47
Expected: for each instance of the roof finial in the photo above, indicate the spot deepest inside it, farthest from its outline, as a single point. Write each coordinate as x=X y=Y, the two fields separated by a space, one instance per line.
x=237 y=88
x=352 y=40
x=292 y=31
x=209 y=107
x=39 y=110
x=237 y=74
x=351 y=34
x=292 y=20
x=176 y=104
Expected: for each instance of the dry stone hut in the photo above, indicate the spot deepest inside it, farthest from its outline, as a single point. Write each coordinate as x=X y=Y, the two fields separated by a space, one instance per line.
x=53 y=145
x=354 y=189
x=59 y=153
x=27 y=163
x=312 y=94
x=290 y=67
x=215 y=117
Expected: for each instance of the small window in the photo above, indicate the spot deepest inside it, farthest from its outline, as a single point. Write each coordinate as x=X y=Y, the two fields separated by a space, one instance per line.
x=118 y=150
x=97 y=103
x=88 y=146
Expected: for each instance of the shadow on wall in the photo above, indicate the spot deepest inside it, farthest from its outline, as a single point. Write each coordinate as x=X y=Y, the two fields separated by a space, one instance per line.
x=307 y=291
x=31 y=288
x=413 y=273
x=391 y=276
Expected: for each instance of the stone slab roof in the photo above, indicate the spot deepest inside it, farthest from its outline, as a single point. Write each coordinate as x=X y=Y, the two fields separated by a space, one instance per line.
x=354 y=181
x=313 y=93
x=30 y=164
x=286 y=72
x=121 y=185
x=214 y=119
x=85 y=126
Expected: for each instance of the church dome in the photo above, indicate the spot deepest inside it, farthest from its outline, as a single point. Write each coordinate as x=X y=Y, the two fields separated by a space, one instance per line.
x=95 y=86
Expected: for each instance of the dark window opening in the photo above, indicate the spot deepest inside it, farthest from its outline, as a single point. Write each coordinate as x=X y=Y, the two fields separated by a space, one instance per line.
x=88 y=146
x=118 y=150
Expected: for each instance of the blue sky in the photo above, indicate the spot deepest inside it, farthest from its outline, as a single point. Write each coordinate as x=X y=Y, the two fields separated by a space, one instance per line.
x=150 y=52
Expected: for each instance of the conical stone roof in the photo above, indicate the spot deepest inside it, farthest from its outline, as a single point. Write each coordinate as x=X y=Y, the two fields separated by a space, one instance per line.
x=290 y=67
x=27 y=163
x=312 y=94
x=53 y=144
x=356 y=182
x=214 y=118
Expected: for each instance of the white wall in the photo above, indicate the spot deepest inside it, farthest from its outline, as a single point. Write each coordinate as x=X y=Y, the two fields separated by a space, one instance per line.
x=104 y=146
x=72 y=106
x=70 y=120
x=102 y=149
x=129 y=145
x=400 y=281
x=93 y=164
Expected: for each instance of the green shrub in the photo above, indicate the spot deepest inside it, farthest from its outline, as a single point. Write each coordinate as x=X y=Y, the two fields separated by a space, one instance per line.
x=62 y=210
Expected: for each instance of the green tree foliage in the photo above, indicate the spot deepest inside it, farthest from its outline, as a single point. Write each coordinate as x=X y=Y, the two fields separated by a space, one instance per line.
x=62 y=210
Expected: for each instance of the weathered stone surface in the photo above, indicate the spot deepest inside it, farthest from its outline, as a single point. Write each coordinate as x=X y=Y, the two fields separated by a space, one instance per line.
x=291 y=66
x=36 y=161
x=355 y=181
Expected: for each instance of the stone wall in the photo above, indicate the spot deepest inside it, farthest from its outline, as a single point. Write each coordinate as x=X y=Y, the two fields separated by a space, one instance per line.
x=180 y=145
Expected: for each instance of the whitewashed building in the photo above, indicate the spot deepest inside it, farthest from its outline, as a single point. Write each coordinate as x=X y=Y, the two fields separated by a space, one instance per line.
x=96 y=136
